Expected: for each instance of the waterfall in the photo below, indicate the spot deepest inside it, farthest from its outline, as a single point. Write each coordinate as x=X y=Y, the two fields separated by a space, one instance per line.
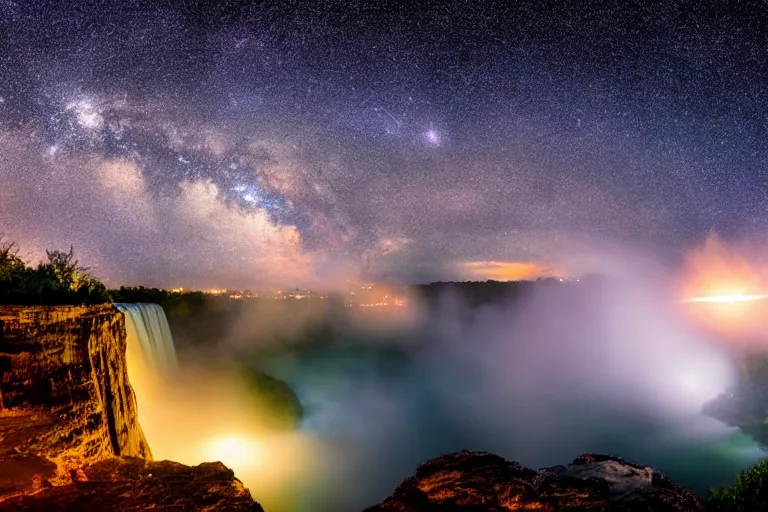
x=147 y=324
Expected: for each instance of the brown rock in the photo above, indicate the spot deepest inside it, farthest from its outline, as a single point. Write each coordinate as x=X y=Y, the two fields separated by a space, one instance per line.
x=480 y=481
x=65 y=400
x=131 y=484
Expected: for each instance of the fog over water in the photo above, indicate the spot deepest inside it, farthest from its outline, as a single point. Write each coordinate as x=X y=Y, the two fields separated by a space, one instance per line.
x=257 y=145
x=569 y=369
x=564 y=368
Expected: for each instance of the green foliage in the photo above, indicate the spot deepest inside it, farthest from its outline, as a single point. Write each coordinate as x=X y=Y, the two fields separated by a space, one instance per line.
x=10 y=262
x=276 y=401
x=748 y=494
x=60 y=280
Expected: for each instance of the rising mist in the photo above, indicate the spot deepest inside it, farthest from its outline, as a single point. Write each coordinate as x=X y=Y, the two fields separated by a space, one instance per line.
x=610 y=364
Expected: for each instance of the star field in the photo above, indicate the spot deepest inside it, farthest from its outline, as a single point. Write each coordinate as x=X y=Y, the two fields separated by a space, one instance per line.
x=230 y=144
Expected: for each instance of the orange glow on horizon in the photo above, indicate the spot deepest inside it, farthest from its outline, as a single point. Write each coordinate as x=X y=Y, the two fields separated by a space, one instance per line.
x=716 y=269
x=727 y=299
x=506 y=270
x=724 y=291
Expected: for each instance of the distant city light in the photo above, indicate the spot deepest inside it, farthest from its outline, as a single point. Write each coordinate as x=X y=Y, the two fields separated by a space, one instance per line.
x=369 y=295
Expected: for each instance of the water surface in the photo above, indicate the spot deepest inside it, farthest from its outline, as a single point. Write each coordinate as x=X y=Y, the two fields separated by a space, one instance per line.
x=380 y=413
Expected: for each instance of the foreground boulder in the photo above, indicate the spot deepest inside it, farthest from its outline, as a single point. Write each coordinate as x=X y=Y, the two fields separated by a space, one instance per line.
x=480 y=481
x=33 y=476
x=132 y=484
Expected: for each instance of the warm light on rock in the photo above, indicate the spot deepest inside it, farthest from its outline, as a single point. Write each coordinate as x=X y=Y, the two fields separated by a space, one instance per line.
x=71 y=438
x=471 y=480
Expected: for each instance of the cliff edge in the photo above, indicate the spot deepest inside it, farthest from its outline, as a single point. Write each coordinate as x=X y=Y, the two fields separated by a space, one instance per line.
x=69 y=431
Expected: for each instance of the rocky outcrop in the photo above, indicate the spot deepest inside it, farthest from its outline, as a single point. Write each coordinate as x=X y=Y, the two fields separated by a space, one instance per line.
x=69 y=432
x=744 y=407
x=475 y=481
x=131 y=484
x=746 y=404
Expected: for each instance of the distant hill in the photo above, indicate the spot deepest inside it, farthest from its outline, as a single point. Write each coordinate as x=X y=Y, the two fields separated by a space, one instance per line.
x=477 y=293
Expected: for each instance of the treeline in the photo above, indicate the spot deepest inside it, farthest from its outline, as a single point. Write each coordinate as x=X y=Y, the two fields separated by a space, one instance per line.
x=478 y=293
x=175 y=304
x=474 y=293
x=59 y=280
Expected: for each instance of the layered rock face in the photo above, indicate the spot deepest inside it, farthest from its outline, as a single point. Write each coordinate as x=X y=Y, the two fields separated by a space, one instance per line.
x=475 y=481
x=64 y=388
x=69 y=432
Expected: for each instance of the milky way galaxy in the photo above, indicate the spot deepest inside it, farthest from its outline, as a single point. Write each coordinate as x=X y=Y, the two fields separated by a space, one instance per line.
x=227 y=144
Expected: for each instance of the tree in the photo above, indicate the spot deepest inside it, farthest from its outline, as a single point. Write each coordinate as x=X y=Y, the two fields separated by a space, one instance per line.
x=67 y=269
x=10 y=261
x=60 y=280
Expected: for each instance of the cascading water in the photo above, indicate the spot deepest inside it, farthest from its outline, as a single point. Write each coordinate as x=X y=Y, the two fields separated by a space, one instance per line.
x=147 y=324
x=195 y=414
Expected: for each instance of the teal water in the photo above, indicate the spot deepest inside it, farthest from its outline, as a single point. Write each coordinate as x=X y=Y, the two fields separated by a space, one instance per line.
x=380 y=413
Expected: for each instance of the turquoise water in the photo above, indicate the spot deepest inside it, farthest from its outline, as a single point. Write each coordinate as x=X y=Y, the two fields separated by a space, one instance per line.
x=380 y=413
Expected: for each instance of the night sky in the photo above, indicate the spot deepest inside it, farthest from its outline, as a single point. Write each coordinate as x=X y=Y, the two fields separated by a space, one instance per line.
x=298 y=143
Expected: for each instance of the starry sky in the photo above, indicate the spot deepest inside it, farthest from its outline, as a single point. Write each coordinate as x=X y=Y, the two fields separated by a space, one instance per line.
x=234 y=144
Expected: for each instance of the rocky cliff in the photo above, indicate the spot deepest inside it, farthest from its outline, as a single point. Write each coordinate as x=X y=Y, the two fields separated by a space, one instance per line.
x=69 y=430
x=475 y=481
x=64 y=377
x=746 y=404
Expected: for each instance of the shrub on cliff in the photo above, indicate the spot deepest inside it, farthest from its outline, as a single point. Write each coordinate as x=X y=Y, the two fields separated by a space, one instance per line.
x=9 y=257
x=748 y=494
x=60 y=280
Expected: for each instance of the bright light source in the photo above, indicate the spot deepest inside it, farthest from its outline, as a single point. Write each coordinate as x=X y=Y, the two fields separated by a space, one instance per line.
x=237 y=452
x=692 y=383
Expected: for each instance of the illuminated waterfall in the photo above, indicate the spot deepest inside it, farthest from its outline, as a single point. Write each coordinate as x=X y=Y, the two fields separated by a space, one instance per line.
x=147 y=324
